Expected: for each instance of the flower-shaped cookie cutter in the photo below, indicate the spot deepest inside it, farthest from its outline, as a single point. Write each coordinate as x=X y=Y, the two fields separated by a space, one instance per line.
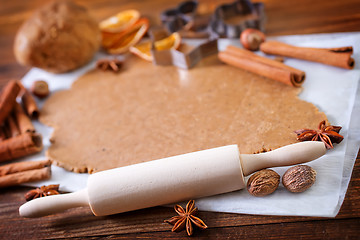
x=229 y=20
x=176 y=18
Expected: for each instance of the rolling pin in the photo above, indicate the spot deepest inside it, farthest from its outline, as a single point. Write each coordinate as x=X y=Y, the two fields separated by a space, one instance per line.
x=169 y=180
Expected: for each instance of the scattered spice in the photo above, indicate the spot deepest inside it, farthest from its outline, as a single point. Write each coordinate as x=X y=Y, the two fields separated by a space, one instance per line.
x=186 y=218
x=263 y=182
x=12 y=126
x=8 y=99
x=252 y=38
x=20 y=146
x=29 y=102
x=42 y=192
x=262 y=150
x=107 y=64
x=263 y=66
x=328 y=134
x=10 y=168
x=23 y=121
x=299 y=178
x=37 y=174
x=339 y=57
x=40 y=89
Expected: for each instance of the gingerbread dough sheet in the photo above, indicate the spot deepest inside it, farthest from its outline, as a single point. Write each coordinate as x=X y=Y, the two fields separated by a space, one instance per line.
x=147 y=112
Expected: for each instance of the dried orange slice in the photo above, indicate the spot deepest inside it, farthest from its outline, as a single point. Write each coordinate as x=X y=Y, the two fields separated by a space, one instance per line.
x=143 y=50
x=120 y=21
x=117 y=43
x=172 y=41
x=109 y=39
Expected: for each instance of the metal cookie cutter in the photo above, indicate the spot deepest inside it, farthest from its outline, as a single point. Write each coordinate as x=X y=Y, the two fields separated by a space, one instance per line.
x=175 y=19
x=229 y=20
x=186 y=56
x=185 y=20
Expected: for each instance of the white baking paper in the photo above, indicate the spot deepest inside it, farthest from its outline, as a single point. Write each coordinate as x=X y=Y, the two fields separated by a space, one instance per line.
x=333 y=90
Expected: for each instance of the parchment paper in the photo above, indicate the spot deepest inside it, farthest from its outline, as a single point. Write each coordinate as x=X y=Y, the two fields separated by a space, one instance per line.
x=333 y=90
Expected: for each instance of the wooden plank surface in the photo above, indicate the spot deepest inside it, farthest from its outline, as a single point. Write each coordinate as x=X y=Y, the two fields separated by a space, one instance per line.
x=283 y=18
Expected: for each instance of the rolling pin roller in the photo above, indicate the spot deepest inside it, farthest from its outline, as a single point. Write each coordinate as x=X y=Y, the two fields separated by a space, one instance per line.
x=170 y=180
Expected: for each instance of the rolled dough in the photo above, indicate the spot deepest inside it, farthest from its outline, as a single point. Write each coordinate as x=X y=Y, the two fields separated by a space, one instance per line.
x=148 y=112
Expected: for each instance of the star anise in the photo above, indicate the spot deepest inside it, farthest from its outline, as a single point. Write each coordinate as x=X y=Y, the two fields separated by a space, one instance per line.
x=186 y=218
x=326 y=133
x=42 y=192
x=109 y=64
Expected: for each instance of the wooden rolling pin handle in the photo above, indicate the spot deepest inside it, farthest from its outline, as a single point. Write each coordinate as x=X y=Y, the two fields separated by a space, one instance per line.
x=40 y=207
x=285 y=156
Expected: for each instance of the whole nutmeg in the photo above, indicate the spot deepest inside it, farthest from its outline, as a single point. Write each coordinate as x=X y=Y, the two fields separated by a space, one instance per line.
x=263 y=182
x=299 y=178
x=251 y=39
x=40 y=89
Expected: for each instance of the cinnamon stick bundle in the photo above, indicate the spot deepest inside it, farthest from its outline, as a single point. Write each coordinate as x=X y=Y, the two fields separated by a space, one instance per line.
x=23 y=166
x=266 y=67
x=23 y=121
x=25 y=176
x=19 y=146
x=8 y=99
x=339 y=57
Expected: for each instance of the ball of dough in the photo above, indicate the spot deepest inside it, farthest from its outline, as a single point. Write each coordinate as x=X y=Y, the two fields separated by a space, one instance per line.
x=59 y=37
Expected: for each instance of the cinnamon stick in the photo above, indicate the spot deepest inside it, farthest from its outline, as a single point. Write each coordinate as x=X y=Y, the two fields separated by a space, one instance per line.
x=339 y=57
x=266 y=67
x=13 y=128
x=25 y=176
x=29 y=103
x=6 y=129
x=23 y=166
x=8 y=98
x=2 y=134
x=19 y=146
x=23 y=121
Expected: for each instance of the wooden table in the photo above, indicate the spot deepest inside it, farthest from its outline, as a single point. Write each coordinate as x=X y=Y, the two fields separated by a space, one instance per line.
x=283 y=18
